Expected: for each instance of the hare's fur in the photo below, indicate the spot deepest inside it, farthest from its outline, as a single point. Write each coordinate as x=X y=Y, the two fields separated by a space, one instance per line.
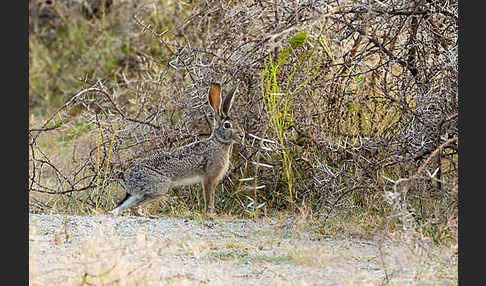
x=204 y=162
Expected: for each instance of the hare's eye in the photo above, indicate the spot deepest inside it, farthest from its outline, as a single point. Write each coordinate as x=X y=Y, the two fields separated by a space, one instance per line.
x=227 y=124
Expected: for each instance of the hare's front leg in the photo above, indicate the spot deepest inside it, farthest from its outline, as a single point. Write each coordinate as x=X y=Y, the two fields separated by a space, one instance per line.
x=209 y=188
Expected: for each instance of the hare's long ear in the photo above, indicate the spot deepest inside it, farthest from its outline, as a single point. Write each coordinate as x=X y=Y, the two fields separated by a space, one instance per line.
x=228 y=101
x=214 y=97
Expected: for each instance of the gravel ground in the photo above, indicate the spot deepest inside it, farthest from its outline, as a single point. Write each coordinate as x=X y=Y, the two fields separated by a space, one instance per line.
x=125 y=250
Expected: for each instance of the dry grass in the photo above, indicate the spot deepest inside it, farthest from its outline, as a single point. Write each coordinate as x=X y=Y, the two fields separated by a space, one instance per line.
x=99 y=251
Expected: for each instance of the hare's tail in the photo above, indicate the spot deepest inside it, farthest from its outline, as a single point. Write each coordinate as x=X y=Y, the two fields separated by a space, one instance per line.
x=123 y=204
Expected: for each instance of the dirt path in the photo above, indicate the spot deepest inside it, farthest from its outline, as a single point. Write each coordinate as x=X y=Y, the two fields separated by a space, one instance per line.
x=106 y=250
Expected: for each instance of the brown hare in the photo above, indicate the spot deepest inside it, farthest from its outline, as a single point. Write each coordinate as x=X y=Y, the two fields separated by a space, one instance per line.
x=204 y=161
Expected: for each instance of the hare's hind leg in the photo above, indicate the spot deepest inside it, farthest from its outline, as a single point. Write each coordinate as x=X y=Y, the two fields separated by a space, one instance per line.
x=143 y=191
x=134 y=201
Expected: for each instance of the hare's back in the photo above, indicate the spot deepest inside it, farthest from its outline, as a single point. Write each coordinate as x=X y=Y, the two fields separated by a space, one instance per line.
x=182 y=162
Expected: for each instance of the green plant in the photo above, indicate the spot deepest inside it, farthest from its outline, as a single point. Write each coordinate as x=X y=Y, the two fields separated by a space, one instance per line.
x=102 y=185
x=278 y=98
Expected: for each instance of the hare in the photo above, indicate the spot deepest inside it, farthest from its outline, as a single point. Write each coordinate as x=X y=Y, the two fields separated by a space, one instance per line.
x=204 y=161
